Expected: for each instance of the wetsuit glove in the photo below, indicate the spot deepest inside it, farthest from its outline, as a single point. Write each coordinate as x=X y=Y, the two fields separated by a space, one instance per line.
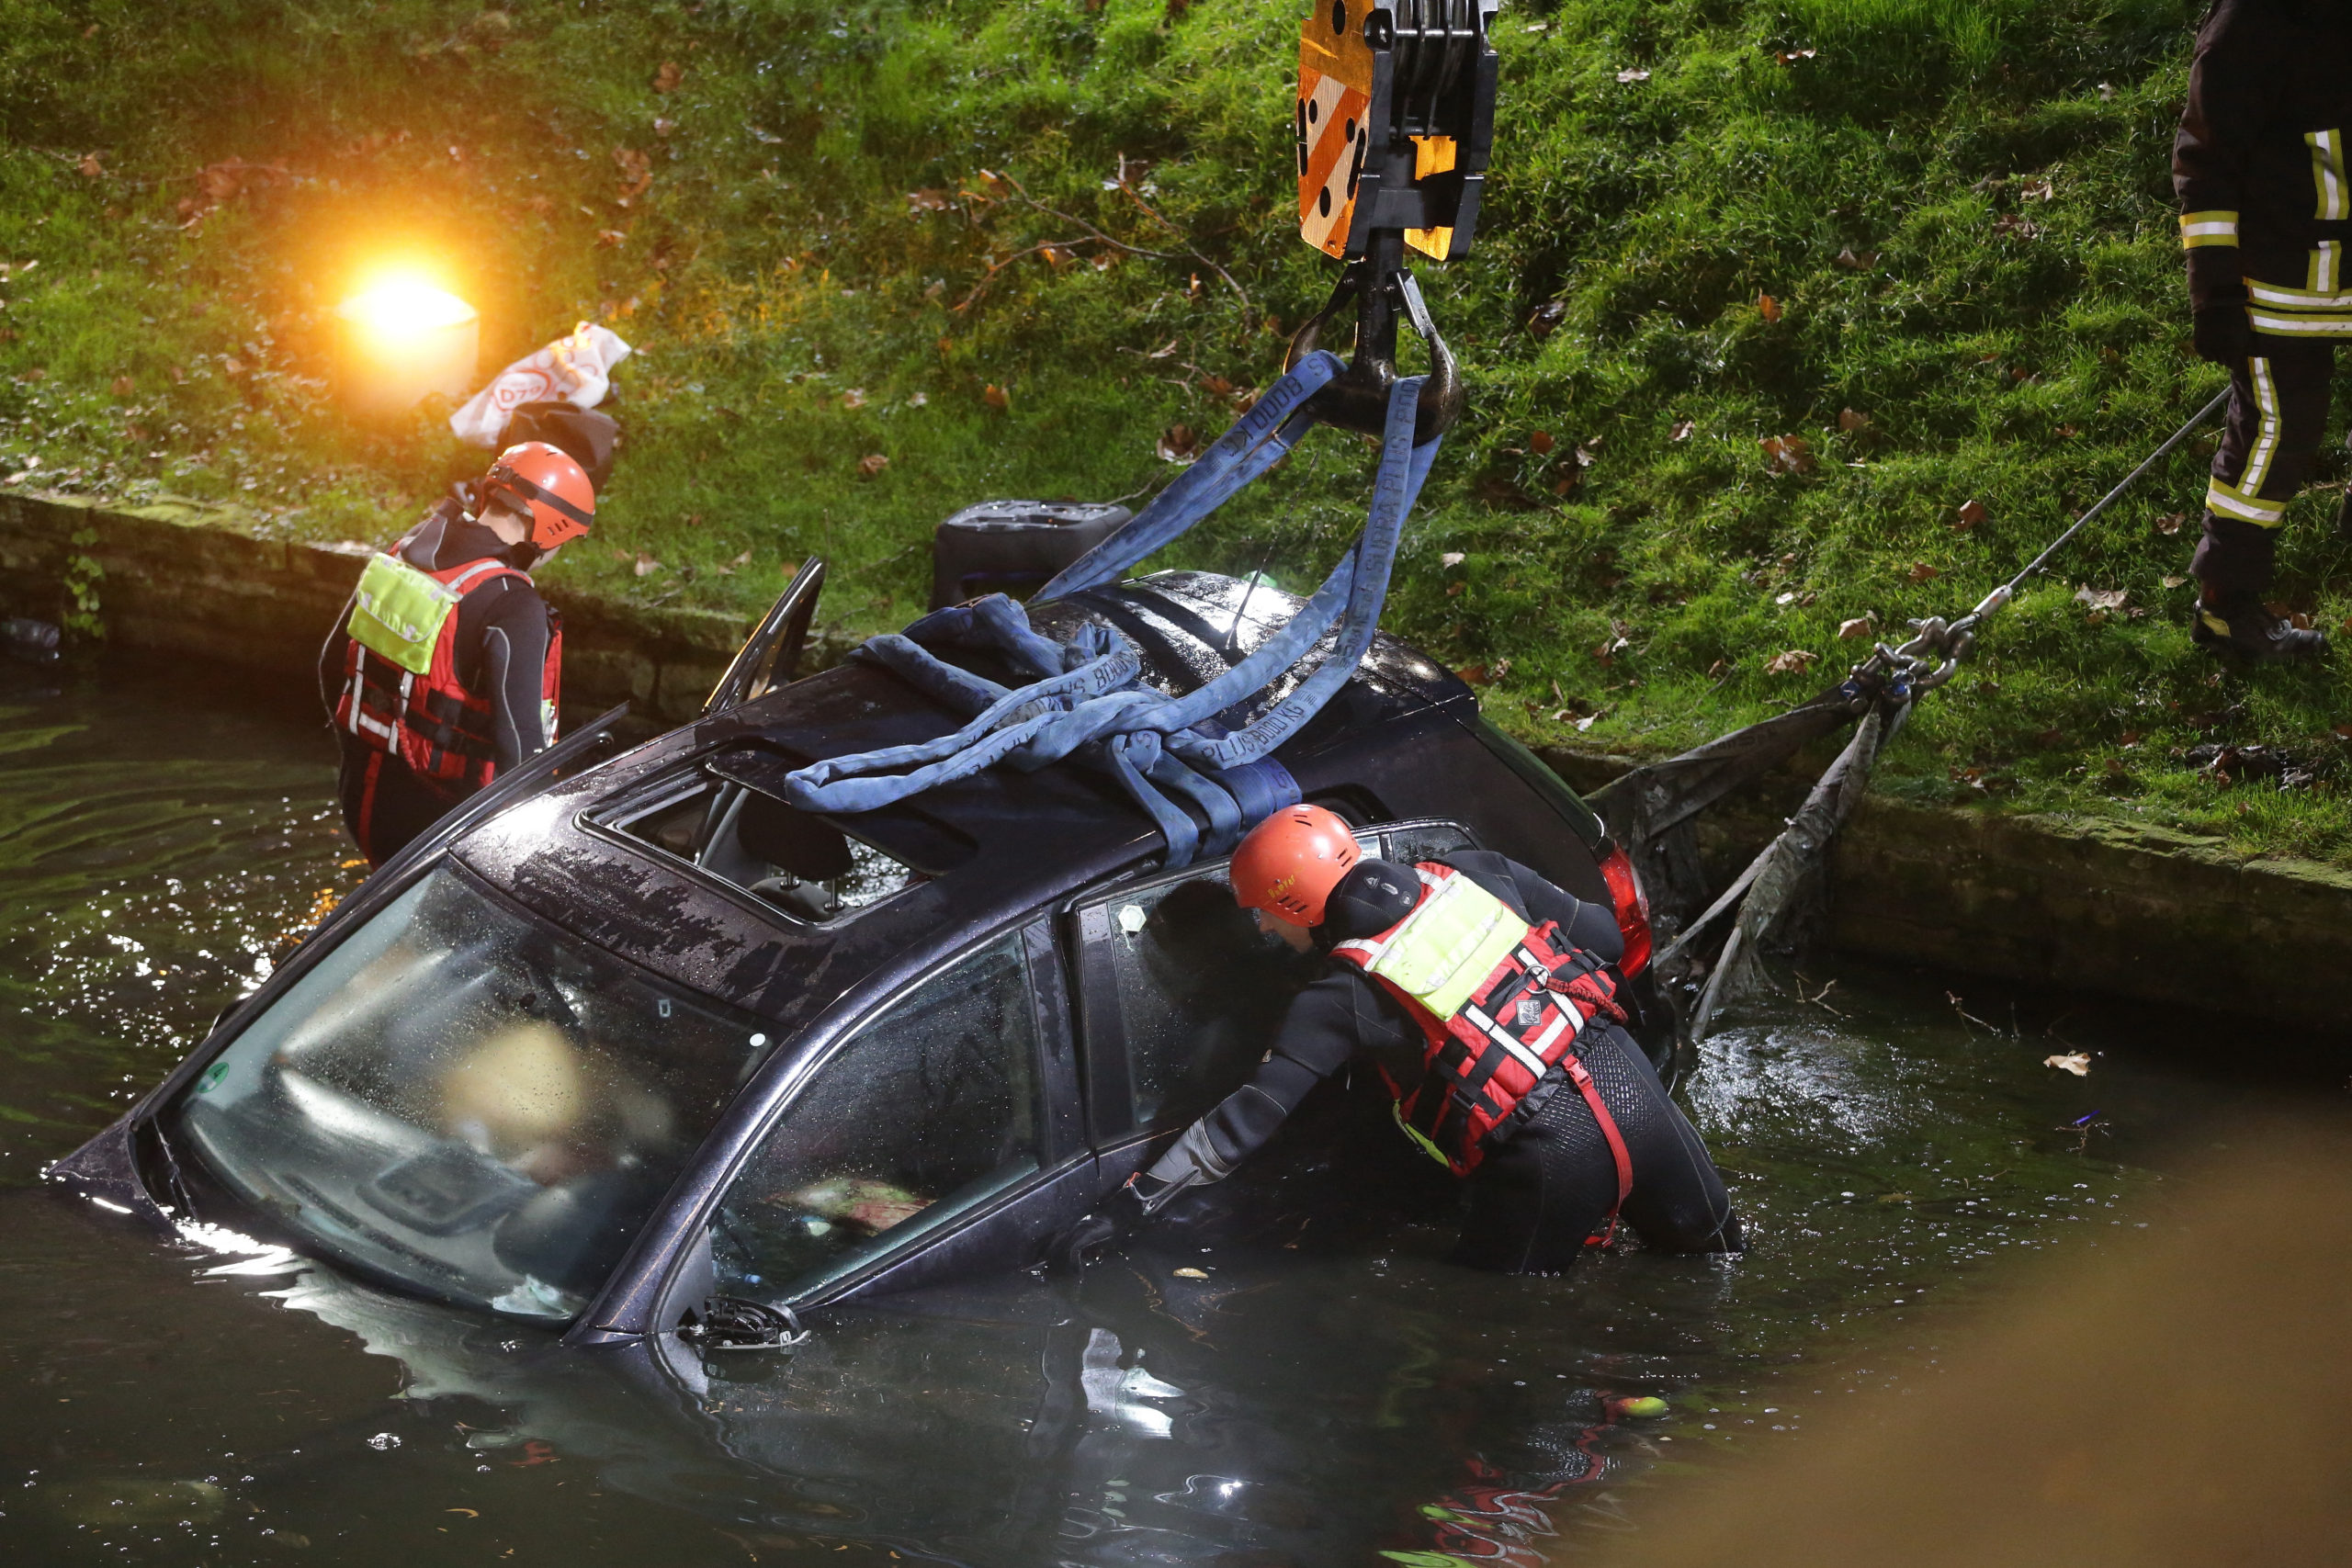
x=2221 y=334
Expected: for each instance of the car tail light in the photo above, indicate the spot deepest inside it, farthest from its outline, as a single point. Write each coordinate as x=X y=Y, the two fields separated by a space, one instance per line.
x=1632 y=910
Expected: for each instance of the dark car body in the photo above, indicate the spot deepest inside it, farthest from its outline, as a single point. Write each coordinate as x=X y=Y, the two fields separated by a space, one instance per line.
x=672 y=875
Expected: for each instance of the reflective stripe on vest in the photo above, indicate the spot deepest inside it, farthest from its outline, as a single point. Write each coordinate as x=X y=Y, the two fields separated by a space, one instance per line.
x=1519 y=998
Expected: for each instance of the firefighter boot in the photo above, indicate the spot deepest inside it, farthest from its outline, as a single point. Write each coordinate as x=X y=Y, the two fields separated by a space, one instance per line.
x=2239 y=623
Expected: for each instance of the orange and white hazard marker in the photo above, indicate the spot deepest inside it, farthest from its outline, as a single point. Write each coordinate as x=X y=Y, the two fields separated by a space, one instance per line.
x=1334 y=91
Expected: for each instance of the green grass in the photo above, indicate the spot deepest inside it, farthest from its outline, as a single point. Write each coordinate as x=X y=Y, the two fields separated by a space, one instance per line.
x=2008 y=322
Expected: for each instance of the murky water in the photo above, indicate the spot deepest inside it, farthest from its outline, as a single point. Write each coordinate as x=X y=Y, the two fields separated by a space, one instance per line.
x=1285 y=1375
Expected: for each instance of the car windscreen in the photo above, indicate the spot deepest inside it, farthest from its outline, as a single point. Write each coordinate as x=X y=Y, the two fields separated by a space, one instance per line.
x=469 y=1099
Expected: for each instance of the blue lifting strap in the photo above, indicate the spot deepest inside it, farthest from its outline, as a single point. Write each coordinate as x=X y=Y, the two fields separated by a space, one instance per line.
x=1086 y=699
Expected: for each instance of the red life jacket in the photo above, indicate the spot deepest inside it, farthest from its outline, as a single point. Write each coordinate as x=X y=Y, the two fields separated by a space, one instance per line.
x=431 y=721
x=1518 y=1018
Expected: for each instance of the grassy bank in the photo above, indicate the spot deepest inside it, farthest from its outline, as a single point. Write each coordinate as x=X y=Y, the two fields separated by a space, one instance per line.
x=1007 y=247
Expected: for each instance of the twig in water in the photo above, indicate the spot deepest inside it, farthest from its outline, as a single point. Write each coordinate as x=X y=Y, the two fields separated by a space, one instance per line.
x=1967 y=1017
x=1817 y=1001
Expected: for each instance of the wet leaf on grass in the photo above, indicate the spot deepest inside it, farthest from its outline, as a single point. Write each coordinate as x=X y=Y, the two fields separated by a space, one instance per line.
x=1791 y=56
x=637 y=174
x=89 y=168
x=1860 y=625
x=124 y=387
x=2169 y=524
x=854 y=398
x=996 y=397
x=2010 y=223
x=1853 y=261
x=2100 y=600
x=1973 y=513
x=1631 y=75
x=662 y=128
x=1178 y=444
x=1787 y=454
x=2075 y=1062
x=1540 y=442
x=1547 y=316
x=2173 y=579
x=1852 y=420
x=1452 y=559
x=872 y=464
x=927 y=201
x=2036 y=190
x=1922 y=572
x=1791 y=662
x=647 y=566
x=1681 y=431
x=611 y=238
x=667 y=78
x=1769 y=308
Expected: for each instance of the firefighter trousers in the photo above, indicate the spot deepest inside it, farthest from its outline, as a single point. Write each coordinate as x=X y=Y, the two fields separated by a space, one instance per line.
x=2277 y=417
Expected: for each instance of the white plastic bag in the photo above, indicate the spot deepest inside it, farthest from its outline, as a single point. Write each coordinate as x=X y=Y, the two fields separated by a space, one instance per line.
x=576 y=369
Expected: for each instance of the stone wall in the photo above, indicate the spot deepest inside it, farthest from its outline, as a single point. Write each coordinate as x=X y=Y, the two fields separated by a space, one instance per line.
x=2090 y=904
x=181 y=579
x=2079 y=903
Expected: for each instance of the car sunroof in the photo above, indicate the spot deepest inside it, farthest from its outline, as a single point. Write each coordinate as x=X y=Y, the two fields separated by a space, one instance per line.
x=801 y=865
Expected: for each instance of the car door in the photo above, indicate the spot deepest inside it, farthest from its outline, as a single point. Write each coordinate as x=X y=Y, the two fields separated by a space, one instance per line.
x=1181 y=993
x=938 y=1136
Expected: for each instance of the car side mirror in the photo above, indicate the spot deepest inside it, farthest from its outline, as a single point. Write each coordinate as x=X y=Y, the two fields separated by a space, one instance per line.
x=770 y=657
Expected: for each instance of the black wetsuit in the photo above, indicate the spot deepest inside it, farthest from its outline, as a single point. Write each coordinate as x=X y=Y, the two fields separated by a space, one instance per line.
x=1548 y=1185
x=504 y=627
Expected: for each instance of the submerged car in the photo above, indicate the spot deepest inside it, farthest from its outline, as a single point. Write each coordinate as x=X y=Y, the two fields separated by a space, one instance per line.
x=630 y=1034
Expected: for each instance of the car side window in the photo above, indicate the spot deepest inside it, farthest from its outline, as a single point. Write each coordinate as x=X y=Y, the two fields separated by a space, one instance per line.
x=1200 y=991
x=926 y=1112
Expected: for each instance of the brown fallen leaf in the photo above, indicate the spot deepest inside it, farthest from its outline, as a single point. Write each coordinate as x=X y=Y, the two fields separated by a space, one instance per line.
x=2171 y=579
x=1681 y=431
x=1860 y=625
x=1972 y=514
x=89 y=168
x=611 y=238
x=1178 y=444
x=637 y=174
x=1473 y=674
x=1791 y=662
x=1791 y=56
x=1769 y=308
x=2170 y=521
x=1547 y=316
x=872 y=464
x=1852 y=420
x=2036 y=190
x=1922 y=572
x=233 y=367
x=2102 y=598
x=927 y=201
x=1787 y=454
x=1540 y=443
x=667 y=78
x=663 y=128
x=1853 y=262
x=996 y=397
x=124 y=387
x=2075 y=1062
x=647 y=566
x=1631 y=74
x=2010 y=223
x=854 y=398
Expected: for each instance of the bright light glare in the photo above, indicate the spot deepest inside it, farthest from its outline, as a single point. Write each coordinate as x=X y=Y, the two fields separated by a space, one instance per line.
x=401 y=306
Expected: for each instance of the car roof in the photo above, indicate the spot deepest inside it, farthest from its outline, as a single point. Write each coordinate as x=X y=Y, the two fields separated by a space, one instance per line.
x=1033 y=838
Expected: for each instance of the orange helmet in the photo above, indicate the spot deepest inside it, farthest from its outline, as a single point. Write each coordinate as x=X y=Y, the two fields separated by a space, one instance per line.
x=1290 y=862
x=550 y=485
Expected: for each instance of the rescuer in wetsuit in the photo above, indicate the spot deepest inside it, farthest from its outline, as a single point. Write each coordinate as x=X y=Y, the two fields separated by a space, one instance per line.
x=1550 y=1159
x=2266 y=215
x=445 y=665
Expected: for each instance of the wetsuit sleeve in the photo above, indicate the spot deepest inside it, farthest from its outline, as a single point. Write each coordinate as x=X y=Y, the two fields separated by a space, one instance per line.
x=514 y=663
x=1319 y=1035
x=2210 y=155
x=1591 y=927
